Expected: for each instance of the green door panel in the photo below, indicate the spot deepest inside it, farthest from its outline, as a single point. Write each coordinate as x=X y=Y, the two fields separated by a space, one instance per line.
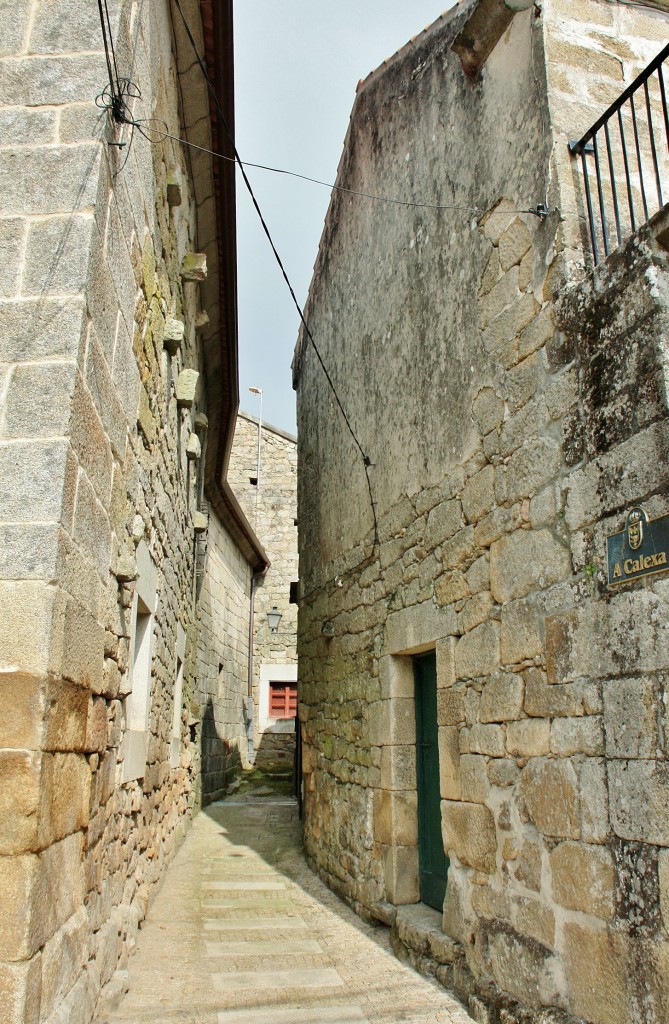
x=432 y=861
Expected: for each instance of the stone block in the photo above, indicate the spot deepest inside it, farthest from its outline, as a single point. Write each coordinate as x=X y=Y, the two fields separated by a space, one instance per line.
x=475 y=786
x=194 y=266
x=193 y=447
x=458 y=548
x=537 y=333
x=12 y=234
x=398 y=767
x=475 y=611
x=478 y=575
x=396 y=678
x=395 y=818
x=201 y=320
x=477 y=653
x=59 y=887
x=531 y=467
x=600 y=992
x=499 y=339
x=392 y=722
x=50 y=80
x=528 y=738
x=446 y=663
x=534 y=920
x=502 y=699
x=65 y=727
x=638 y=800
x=513 y=244
x=173 y=335
x=20 y=991
x=416 y=628
x=64 y=958
x=584 y=878
x=22 y=700
x=488 y=410
x=37 y=329
x=443 y=522
x=451 y=587
x=524 y=561
x=487 y=739
x=17 y=880
x=457 y=919
x=401 y=875
x=449 y=763
x=451 y=706
x=527 y=867
x=577 y=736
x=32 y=473
x=500 y=297
x=22 y=172
x=663 y=874
x=522 y=966
x=57 y=253
x=79 y=638
x=551 y=701
x=521 y=632
x=26 y=611
x=478 y=495
x=522 y=382
x=503 y=773
x=630 y=718
x=469 y=831
x=549 y=795
x=19 y=801
x=594 y=801
x=64 y=796
x=173 y=189
x=91 y=444
x=186 y=387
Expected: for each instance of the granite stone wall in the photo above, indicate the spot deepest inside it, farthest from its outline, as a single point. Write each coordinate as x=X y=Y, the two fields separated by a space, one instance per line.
x=513 y=407
x=102 y=527
x=271 y=507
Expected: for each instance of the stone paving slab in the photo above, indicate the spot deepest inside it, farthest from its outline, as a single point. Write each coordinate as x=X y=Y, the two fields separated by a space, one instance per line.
x=208 y=954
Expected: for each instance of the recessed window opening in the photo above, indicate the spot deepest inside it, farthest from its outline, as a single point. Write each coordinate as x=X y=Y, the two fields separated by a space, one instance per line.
x=253 y=480
x=138 y=699
x=293 y=591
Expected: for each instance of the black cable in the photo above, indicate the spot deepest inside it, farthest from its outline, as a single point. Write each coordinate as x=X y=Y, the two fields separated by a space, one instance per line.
x=366 y=461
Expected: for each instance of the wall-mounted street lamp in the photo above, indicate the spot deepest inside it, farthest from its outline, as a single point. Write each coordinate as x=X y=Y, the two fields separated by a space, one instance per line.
x=273 y=619
x=258 y=391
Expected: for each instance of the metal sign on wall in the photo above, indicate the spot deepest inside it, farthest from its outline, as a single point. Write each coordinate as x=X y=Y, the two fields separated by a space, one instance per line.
x=641 y=549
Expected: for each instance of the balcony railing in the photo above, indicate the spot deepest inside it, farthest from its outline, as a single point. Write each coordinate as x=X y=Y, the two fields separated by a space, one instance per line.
x=626 y=152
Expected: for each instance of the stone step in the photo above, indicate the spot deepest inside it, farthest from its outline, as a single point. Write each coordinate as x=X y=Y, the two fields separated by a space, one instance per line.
x=228 y=908
x=267 y=947
x=316 y=977
x=245 y=886
x=295 y=1015
x=253 y=924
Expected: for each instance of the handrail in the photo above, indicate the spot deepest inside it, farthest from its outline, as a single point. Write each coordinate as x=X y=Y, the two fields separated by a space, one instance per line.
x=641 y=137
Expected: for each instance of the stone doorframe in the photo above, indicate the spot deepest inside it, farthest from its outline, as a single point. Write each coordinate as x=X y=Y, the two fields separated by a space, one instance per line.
x=408 y=632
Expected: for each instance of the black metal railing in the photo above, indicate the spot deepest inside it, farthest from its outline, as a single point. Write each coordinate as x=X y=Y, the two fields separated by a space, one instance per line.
x=630 y=157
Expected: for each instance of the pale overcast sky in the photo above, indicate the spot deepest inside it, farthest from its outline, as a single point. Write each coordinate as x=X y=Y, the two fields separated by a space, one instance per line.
x=297 y=66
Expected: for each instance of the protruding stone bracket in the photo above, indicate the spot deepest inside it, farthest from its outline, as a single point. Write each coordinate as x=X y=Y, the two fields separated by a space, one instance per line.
x=200 y=522
x=174 y=335
x=174 y=196
x=482 y=32
x=201 y=320
x=194 y=266
x=186 y=386
x=193 y=448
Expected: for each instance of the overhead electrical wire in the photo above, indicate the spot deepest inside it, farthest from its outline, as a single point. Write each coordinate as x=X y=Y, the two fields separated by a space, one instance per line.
x=116 y=96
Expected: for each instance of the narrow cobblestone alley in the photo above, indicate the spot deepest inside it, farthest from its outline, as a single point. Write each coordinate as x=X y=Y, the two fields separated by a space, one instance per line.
x=243 y=932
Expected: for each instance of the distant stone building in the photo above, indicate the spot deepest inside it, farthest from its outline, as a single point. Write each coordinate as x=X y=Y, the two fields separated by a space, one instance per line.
x=482 y=628
x=269 y=501
x=125 y=560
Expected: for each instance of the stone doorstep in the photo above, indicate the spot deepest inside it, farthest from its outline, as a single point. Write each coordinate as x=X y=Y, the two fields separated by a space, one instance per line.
x=418 y=927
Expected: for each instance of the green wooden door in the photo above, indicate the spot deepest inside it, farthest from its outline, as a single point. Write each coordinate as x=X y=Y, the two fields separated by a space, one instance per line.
x=432 y=861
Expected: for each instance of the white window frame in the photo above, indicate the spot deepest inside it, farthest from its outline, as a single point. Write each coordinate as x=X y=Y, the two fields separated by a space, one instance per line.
x=138 y=700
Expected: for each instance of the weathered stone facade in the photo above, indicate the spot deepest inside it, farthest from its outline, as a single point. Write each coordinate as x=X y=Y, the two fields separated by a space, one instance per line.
x=270 y=505
x=112 y=434
x=513 y=407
